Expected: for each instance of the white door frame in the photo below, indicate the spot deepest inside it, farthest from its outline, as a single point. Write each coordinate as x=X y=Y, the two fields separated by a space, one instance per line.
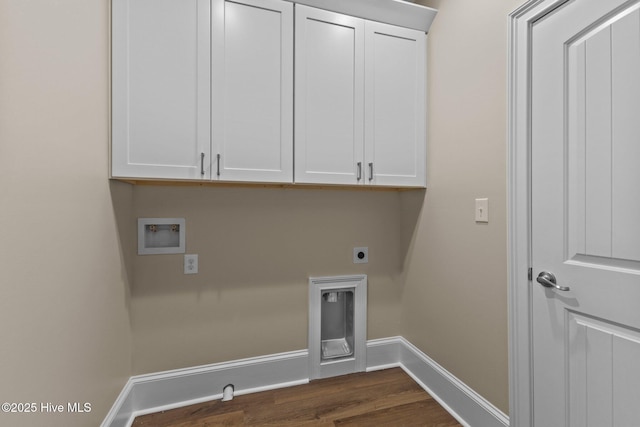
x=519 y=209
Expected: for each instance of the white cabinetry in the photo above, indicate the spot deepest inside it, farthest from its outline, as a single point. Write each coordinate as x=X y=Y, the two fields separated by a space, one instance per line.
x=395 y=105
x=360 y=101
x=203 y=89
x=253 y=91
x=160 y=88
x=329 y=101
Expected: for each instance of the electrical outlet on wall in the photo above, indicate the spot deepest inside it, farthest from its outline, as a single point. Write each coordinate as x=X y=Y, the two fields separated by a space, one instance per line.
x=191 y=264
x=361 y=255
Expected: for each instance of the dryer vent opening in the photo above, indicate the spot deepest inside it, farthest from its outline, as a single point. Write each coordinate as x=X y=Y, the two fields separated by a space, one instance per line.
x=337 y=325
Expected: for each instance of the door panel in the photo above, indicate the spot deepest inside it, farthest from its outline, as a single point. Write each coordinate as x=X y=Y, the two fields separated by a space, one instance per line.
x=605 y=152
x=585 y=152
x=625 y=85
x=329 y=97
x=603 y=359
x=253 y=91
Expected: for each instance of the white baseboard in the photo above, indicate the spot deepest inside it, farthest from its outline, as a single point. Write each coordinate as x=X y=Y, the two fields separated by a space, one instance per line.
x=149 y=393
x=467 y=406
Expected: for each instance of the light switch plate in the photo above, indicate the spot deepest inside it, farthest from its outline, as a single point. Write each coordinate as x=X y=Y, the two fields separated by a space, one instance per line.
x=482 y=210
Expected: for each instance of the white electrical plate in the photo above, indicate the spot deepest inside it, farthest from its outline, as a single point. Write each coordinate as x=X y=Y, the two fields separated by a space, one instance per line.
x=161 y=236
x=482 y=210
x=191 y=264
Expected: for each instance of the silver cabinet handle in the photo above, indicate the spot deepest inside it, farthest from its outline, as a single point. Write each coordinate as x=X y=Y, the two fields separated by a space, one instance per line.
x=371 y=171
x=201 y=163
x=218 y=163
x=359 y=176
x=548 y=280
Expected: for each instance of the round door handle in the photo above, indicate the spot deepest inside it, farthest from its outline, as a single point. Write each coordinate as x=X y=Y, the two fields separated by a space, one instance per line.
x=548 y=280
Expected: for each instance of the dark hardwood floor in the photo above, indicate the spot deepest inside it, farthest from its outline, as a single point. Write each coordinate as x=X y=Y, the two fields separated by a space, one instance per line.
x=381 y=398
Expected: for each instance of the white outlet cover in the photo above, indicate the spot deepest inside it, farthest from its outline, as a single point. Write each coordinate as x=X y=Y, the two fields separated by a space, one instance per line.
x=361 y=255
x=191 y=264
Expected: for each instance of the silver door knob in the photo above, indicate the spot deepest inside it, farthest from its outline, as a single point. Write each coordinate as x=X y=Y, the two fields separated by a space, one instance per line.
x=548 y=280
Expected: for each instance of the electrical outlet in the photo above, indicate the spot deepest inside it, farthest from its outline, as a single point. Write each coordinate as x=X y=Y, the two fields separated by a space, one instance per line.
x=191 y=264
x=360 y=255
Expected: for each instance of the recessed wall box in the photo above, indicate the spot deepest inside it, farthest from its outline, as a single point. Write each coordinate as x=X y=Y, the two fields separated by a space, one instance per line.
x=161 y=236
x=337 y=325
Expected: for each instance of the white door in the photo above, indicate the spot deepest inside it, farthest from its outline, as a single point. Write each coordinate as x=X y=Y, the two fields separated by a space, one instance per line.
x=160 y=89
x=329 y=110
x=586 y=214
x=395 y=105
x=252 y=90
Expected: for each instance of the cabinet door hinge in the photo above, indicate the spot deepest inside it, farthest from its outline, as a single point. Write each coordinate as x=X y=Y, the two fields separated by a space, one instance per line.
x=530 y=273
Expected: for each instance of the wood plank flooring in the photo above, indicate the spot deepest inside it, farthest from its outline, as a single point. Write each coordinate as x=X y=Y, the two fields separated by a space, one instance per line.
x=381 y=398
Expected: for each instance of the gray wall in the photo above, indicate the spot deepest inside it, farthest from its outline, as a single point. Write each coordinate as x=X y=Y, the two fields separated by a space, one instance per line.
x=63 y=282
x=455 y=296
x=256 y=249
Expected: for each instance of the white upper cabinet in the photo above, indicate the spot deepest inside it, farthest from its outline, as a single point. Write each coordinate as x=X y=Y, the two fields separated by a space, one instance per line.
x=160 y=88
x=252 y=91
x=360 y=101
x=205 y=90
x=329 y=98
x=395 y=105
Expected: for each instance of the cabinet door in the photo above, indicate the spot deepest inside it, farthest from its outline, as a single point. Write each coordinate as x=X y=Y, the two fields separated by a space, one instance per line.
x=329 y=97
x=253 y=90
x=160 y=92
x=395 y=105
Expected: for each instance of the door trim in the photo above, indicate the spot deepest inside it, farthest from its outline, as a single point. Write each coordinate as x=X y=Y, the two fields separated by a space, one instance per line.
x=519 y=208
